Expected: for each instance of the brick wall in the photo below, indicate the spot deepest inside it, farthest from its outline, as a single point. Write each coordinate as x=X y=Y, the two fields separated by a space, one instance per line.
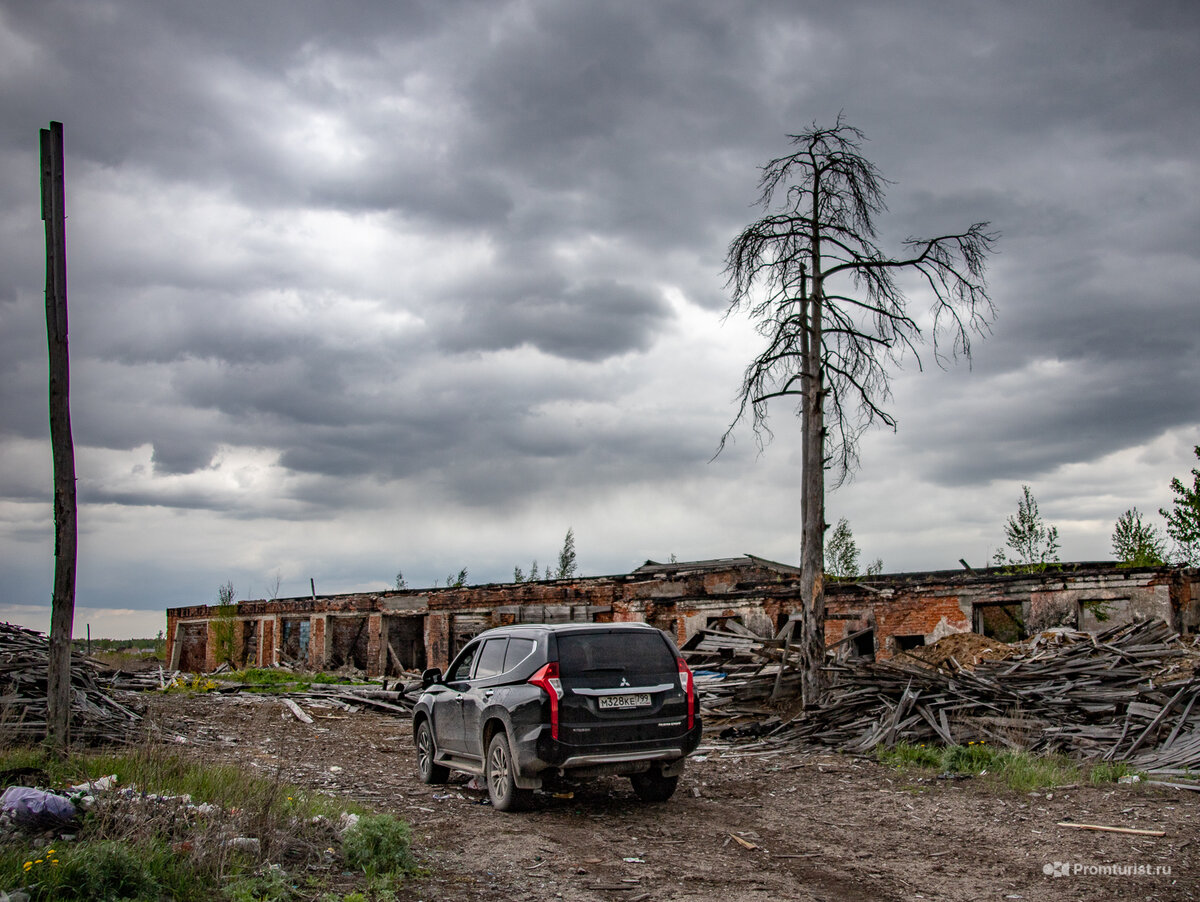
x=686 y=597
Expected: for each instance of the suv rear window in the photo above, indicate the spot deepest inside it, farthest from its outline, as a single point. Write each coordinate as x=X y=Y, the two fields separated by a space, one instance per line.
x=641 y=655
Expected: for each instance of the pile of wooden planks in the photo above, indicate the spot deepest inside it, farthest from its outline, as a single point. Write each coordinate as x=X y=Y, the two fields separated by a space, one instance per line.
x=737 y=671
x=1127 y=694
x=96 y=717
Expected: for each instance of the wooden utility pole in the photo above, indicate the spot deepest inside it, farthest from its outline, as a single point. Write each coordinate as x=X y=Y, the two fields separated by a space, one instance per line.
x=62 y=617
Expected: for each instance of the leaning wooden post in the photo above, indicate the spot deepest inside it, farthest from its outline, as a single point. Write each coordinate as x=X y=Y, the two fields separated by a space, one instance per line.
x=62 y=615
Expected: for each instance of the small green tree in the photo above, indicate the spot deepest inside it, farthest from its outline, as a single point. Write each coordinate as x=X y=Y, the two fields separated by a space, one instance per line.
x=876 y=567
x=457 y=582
x=566 y=557
x=1034 y=544
x=841 y=552
x=401 y=582
x=1137 y=544
x=224 y=620
x=1183 y=520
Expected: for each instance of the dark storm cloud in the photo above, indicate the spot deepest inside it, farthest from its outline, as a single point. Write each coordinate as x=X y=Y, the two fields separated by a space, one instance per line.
x=318 y=250
x=589 y=322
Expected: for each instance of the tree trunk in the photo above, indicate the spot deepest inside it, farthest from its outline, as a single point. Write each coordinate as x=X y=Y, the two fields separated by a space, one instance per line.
x=812 y=552
x=62 y=615
x=812 y=557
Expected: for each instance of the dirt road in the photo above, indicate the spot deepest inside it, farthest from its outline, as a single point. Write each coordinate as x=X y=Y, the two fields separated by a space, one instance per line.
x=742 y=826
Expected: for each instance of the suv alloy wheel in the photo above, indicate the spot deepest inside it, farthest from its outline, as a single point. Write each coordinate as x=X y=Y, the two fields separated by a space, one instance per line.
x=502 y=787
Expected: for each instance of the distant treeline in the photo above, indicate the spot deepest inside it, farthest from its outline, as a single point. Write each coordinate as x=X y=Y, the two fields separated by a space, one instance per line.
x=106 y=645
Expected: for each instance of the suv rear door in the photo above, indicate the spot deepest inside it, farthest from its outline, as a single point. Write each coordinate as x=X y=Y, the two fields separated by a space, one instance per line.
x=620 y=686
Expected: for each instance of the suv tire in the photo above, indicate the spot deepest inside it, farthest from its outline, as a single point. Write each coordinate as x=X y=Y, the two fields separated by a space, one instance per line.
x=499 y=773
x=427 y=769
x=652 y=786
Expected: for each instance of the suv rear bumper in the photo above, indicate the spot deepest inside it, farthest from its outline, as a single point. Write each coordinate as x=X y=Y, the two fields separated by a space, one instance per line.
x=544 y=753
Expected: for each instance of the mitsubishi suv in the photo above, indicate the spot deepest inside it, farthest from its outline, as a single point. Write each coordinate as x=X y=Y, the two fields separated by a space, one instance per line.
x=520 y=705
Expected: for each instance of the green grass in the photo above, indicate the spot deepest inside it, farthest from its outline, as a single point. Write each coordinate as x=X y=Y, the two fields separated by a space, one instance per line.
x=138 y=849
x=100 y=870
x=266 y=679
x=1018 y=770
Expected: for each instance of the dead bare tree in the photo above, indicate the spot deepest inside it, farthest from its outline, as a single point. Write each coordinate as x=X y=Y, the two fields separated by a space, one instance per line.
x=825 y=298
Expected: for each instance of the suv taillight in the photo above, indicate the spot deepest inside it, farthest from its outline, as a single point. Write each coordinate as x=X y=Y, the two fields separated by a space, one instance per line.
x=689 y=687
x=547 y=679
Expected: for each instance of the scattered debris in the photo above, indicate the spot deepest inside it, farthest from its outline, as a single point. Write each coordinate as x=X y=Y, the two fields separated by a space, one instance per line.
x=1104 y=829
x=744 y=843
x=296 y=709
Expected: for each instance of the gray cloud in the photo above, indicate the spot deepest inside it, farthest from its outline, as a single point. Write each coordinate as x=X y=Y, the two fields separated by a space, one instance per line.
x=330 y=266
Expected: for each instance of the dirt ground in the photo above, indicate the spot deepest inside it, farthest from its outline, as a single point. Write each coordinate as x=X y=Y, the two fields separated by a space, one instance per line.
x=743 y=826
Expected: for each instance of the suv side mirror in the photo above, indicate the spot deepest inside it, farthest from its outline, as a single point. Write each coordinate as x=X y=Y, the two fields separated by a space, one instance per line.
x=430 y=677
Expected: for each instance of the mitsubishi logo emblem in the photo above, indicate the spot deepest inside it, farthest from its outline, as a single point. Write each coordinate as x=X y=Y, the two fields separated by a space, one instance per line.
x=624 y=682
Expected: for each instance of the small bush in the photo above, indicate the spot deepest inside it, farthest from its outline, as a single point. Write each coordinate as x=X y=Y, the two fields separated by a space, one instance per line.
x=905 y=754
x=1109 y=772
x=379 y=845
x=972 y=758
x=271 y=885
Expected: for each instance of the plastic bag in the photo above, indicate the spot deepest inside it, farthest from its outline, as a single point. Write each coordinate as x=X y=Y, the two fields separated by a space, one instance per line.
x=36 y=807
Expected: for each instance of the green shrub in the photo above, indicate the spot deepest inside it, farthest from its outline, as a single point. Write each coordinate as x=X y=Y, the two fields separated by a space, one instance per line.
x=973 y=758
x=906 y=754
x=379 y=844
x=1109 y=772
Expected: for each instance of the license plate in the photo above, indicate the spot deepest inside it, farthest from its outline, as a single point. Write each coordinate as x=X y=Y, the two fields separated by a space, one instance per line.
x=640 y=700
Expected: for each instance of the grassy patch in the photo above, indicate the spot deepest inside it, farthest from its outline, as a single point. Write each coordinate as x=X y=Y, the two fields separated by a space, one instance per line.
x=183 y=830
x=1109 y=772
x=1018 y=770
x=266 y=679
x=906 y=755
x=258 y=676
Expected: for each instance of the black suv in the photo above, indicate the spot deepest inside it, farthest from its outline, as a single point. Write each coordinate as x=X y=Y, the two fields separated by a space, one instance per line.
x=521 y=704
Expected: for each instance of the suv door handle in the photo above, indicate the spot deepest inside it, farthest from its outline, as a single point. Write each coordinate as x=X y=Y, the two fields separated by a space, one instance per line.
x=488 y=693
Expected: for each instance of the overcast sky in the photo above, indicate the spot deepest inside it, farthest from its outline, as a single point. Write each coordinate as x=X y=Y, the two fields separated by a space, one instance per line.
x=366 y=287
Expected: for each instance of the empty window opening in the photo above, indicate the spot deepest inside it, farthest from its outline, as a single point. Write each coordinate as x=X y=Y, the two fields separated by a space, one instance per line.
x=464 y=628
x=1003 y=622
x=193 y=647
x=908 y=643
x=864 y=645
x=294 y=640
x=348 y=639
x=405 y=645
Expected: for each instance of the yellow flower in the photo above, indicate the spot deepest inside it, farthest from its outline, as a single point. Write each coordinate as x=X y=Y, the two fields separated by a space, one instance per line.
x=49 y=851
x=54 y=861
x=28 y=865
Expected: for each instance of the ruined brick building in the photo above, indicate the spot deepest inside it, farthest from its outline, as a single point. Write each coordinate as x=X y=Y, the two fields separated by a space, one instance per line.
x=387 y=632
